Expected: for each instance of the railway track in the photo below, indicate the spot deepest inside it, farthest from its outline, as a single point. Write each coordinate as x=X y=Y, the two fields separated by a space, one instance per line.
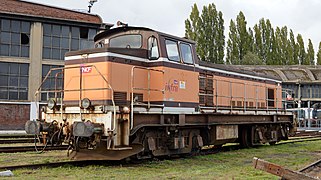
x=15 y=139
x=13 y=149
x=313 y=169
x=59 y=164
x=30 y=147
x=206 y=151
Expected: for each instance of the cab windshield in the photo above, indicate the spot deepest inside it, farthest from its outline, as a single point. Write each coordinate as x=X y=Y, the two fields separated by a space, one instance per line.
x=126 y=41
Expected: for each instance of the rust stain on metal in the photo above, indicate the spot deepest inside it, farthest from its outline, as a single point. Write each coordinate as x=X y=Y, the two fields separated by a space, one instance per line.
x=226 y=132
x=279 y=170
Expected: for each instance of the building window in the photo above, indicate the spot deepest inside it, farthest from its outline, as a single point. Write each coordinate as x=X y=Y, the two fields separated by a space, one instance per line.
x=14 y=81
x=14 y=38
x=59 y=39
x=54 y=81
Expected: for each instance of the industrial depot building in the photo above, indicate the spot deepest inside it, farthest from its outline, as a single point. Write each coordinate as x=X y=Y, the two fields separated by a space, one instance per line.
x=33 y=39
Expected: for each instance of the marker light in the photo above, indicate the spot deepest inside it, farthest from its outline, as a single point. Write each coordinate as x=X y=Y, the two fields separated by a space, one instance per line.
x=85 y=103
x=51 y=104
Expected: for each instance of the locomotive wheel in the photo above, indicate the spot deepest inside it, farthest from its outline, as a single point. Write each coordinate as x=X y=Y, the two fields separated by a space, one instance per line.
x=246 y=137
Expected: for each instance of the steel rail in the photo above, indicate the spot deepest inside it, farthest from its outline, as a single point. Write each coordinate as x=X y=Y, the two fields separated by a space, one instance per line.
x=15 y=141
x=13 y=149
x=59 y=164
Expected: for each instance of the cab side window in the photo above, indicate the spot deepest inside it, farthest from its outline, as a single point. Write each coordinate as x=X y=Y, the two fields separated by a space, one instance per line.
x=172 y=50
x=153 y=52
x=186 y=52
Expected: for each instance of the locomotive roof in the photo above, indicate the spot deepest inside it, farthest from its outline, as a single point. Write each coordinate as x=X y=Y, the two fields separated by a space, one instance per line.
x=237 y=69
x=129 y=28
x=221 y=67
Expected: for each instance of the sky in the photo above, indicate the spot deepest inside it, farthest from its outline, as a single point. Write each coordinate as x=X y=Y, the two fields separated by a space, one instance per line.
x=302 y=16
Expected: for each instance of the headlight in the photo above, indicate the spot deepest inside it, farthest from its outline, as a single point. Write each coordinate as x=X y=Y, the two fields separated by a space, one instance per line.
x=51 y=104
x=85 y=103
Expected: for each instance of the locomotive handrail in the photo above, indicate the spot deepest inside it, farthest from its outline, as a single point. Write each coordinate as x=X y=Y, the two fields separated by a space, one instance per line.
x=148 y=89
x=39 y=90
x=243 y=98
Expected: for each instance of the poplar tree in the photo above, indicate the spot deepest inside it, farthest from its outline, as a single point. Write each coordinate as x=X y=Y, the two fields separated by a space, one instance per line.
x=286 y=52
x=267 y=37
x=310 y=54
x=263 y=33
x=301 y=50
x=207 y=30
x=279 y=48
x=319 y=55
x=258 y=41
x=273 y=60
x=240 y=40
x=232 y=50
x=243 y=36
x=192 y=26
x=294 y=59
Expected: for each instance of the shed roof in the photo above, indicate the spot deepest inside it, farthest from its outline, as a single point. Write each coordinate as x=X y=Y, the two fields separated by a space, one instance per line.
x=19 y=7
x=290 y=74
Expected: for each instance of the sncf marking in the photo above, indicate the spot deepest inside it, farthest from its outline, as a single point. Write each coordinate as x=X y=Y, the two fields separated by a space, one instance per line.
x=86 y=69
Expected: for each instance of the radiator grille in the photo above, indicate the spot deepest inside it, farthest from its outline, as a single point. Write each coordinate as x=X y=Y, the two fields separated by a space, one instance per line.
x=239 y=103
x=120 y=98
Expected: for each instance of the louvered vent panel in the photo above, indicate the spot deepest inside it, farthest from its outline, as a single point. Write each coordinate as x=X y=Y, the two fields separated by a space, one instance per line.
x=202 y=98
x=120 y=98
x=209 y=83
x=239 y=103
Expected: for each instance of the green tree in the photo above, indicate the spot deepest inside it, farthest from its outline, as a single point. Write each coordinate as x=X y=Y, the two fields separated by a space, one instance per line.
x=263 y=33
x=301 y=50
x=292 y=44
x=250 y=40
x=319 y=55
x=273 y=58
x=258 y=41
x=267 y=38
x=240 y=40
x=310 y=54
x=286 y=52
x=208 y=31
x=279 y=59
x=252 y=59
x=220 y=38
x=243 y=36
x=232 y=50
x=192 y=25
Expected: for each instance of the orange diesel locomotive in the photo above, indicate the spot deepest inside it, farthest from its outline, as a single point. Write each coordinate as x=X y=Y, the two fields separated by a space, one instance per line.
x=142 y=93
